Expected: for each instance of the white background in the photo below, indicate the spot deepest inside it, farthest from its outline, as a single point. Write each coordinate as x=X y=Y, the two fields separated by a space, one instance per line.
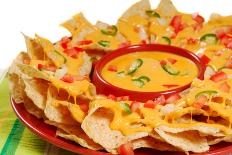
x=44 y=16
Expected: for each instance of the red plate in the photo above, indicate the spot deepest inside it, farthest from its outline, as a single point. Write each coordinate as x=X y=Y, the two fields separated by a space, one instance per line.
x=47 y=133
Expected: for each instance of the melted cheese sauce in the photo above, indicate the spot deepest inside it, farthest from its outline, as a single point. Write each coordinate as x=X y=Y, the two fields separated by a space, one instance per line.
x=147 y=119
x=129 y=28
x=152 y=69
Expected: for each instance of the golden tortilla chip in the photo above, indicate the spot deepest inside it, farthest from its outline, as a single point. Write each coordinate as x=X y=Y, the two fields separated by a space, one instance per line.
x=149 y=142
x=34 y=50
x=36 y=90
x=166 y=9
x=96 y=126
x=186 y=141
x=74 y=133
x=138 y=8
x=57 y=113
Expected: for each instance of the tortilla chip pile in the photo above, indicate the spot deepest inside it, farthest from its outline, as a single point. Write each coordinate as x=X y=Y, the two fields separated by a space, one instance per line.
x=53 y=83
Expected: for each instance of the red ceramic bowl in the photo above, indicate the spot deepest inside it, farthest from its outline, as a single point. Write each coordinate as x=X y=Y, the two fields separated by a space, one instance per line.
x=104 y=87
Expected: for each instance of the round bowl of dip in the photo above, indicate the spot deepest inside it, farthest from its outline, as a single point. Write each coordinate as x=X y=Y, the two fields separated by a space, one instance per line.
x=145 y=72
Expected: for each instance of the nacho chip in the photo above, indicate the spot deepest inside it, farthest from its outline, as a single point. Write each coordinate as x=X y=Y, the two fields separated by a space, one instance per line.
x=149 y=142
x=186 y=141
x=133 y=24
x=74 y=133
x=166 y=9
x=34 y=50
x=32 y=108
x=57 y=113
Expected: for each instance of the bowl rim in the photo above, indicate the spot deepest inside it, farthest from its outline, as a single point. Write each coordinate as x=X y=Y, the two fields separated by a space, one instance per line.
x=147 y=48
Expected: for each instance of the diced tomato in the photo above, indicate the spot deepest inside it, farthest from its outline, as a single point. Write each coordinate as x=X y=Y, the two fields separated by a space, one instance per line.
x=172 y=61
x=84 y=107
x=200 y=102
x=40 y=66
x=135 y=106
x=177 y=23
x=85 y=42
x=160 y=100
x=163 y=62
x=68 y=79
x=227 y=41
x=204 y=59
x=112 y=97
x=170 y=85
x=50 y=68
x=197 y=26
x=225 y=87
x=126 y=149
x=220 y=76
x=217 y=99
x=220 y=33
x=198 y=18
x=26 y=61
x=143 y=42
x=150 y=104
x=191 y=40
x=123 y=98
x=112 y=68
x=64 y=42
x=173 y=98
x=71 y=52
x=78 y=49
x=229 y=63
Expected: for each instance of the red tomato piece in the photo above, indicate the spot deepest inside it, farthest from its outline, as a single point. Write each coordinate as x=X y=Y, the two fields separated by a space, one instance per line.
x=112 y=68
x=78 y=49
x=199 y=103
x=229 y=63
x=172 y=61
x=143 y=42
x=217 y=99
x=177 y=23
x=173 y=98
x=220 y=76
x=126 y=149
x=112 y=97
x=160 y=100
x=225 y=87
x=135 y=106
x=198 y=18
x=50 y=68
x=227 y=41
x=191 y=40
x=84 y=107
x=123 y=98
x=204 y=59
x=71 y=52
x=64 y=42
x=163 y=62
x=220 y=33
x=85 y=42
x=150 y=104
x=40 y=66
x=68 y=79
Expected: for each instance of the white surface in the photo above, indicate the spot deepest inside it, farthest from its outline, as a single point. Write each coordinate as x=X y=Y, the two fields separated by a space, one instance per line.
x=44 y=16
